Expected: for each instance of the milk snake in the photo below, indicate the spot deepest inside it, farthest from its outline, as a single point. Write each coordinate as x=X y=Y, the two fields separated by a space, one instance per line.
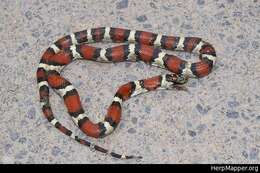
x=141 y=46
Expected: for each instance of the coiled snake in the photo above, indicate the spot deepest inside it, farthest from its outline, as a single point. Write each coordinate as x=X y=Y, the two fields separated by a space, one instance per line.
x=141 y=46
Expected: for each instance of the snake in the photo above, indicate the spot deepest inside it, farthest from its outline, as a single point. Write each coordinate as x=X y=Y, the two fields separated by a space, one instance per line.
x=136 y=46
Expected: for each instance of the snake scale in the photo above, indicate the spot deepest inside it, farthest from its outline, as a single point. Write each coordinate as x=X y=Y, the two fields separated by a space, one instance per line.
x=138 y=46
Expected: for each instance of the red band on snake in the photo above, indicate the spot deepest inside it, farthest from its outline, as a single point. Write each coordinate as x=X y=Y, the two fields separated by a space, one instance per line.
x=141 y=46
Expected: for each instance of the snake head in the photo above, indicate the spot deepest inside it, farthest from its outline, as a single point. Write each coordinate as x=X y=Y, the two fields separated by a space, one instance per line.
x=175 y=81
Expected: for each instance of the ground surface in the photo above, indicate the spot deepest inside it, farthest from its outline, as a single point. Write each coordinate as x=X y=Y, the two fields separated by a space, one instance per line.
x=216 y=121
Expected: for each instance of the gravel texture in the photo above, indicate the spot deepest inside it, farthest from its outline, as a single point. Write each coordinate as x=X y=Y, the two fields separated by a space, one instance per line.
x=216 y=121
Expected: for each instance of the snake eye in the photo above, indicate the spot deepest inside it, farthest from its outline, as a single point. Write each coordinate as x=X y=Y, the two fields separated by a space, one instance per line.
x=181 y=79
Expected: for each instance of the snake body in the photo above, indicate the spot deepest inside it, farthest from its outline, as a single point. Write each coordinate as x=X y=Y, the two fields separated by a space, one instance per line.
x=139 y=46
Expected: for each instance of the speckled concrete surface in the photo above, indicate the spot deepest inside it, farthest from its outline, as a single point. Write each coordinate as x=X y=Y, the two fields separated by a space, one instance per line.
x=216 y=121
